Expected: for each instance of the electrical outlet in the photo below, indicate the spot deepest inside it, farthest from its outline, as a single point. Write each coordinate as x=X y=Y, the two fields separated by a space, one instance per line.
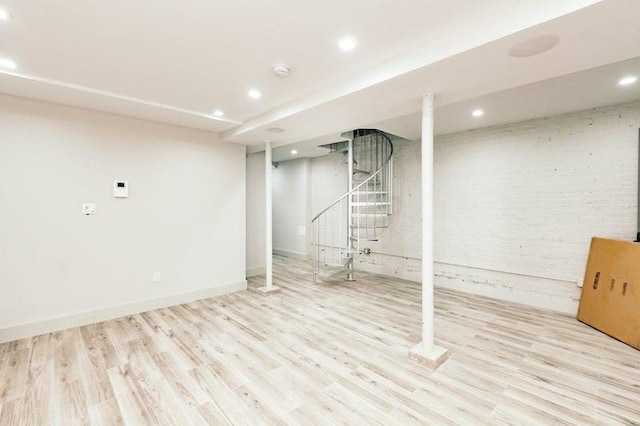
x=88 y=208
x=156 y=277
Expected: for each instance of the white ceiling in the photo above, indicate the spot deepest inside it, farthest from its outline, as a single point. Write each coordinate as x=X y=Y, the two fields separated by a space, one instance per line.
x=177 y=62
x=591 y=88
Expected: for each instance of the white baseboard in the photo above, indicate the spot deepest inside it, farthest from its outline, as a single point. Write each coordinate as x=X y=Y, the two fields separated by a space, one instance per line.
x=261 y=270
x=291 y=254
x=22 y=331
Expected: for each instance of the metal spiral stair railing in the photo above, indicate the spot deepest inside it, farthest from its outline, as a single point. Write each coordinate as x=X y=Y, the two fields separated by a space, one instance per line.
x=357 y=215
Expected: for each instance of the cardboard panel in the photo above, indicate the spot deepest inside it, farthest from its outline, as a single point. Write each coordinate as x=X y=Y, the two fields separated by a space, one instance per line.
x=610 y=300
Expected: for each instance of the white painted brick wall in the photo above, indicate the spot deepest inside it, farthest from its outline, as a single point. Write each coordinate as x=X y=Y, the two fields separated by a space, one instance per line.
x=515 y=205
x=398 y=249
x=526 y=199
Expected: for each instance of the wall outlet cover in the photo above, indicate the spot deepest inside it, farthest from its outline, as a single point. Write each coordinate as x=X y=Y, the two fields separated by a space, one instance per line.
x=88 y=208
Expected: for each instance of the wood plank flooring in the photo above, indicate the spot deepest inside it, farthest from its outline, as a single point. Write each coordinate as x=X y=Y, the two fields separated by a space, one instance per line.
x=329 y=354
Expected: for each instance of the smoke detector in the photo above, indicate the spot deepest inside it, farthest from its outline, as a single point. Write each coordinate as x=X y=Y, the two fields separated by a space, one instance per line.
x=280 y=70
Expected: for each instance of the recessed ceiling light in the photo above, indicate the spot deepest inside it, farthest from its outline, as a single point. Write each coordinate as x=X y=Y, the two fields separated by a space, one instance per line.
x=218 y=113
x=275 y=130
x=8 y=64
x=347 y=43
x=534 y=46
x=477 y=113
x=294 y=152
x=628 y=80
x=254 y=94
x=4 y=15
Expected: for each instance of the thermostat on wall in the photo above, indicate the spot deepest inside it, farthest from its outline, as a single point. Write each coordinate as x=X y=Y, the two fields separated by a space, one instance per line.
x=121 y=189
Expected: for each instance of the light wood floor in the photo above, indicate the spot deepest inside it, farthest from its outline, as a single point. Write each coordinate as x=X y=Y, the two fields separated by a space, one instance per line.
x=332 y=354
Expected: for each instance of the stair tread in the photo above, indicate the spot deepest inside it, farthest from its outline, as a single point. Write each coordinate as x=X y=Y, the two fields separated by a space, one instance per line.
x=370 y=193
x=352 y=238
x=369 y=203
x=364 y=172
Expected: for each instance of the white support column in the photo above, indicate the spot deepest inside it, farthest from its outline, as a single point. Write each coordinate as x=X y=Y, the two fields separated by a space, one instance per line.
x=426 y=352
x=350 y=232
x=268 y=172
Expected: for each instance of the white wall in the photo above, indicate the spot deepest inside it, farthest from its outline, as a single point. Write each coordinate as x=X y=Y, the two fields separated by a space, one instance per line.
x=329 y=180
x=255 y=223
x=301 y=188
x=516 y=205
x=526 y=199
x=291 y=207
x=184 y=218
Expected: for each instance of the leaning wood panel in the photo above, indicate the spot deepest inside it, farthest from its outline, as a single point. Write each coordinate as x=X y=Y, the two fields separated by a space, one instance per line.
x=610 y=300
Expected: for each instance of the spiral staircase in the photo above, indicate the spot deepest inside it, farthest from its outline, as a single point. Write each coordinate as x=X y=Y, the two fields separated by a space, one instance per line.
x=341 y=230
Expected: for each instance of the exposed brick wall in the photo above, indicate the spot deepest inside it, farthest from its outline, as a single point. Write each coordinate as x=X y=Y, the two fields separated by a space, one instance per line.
x=515 y=205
